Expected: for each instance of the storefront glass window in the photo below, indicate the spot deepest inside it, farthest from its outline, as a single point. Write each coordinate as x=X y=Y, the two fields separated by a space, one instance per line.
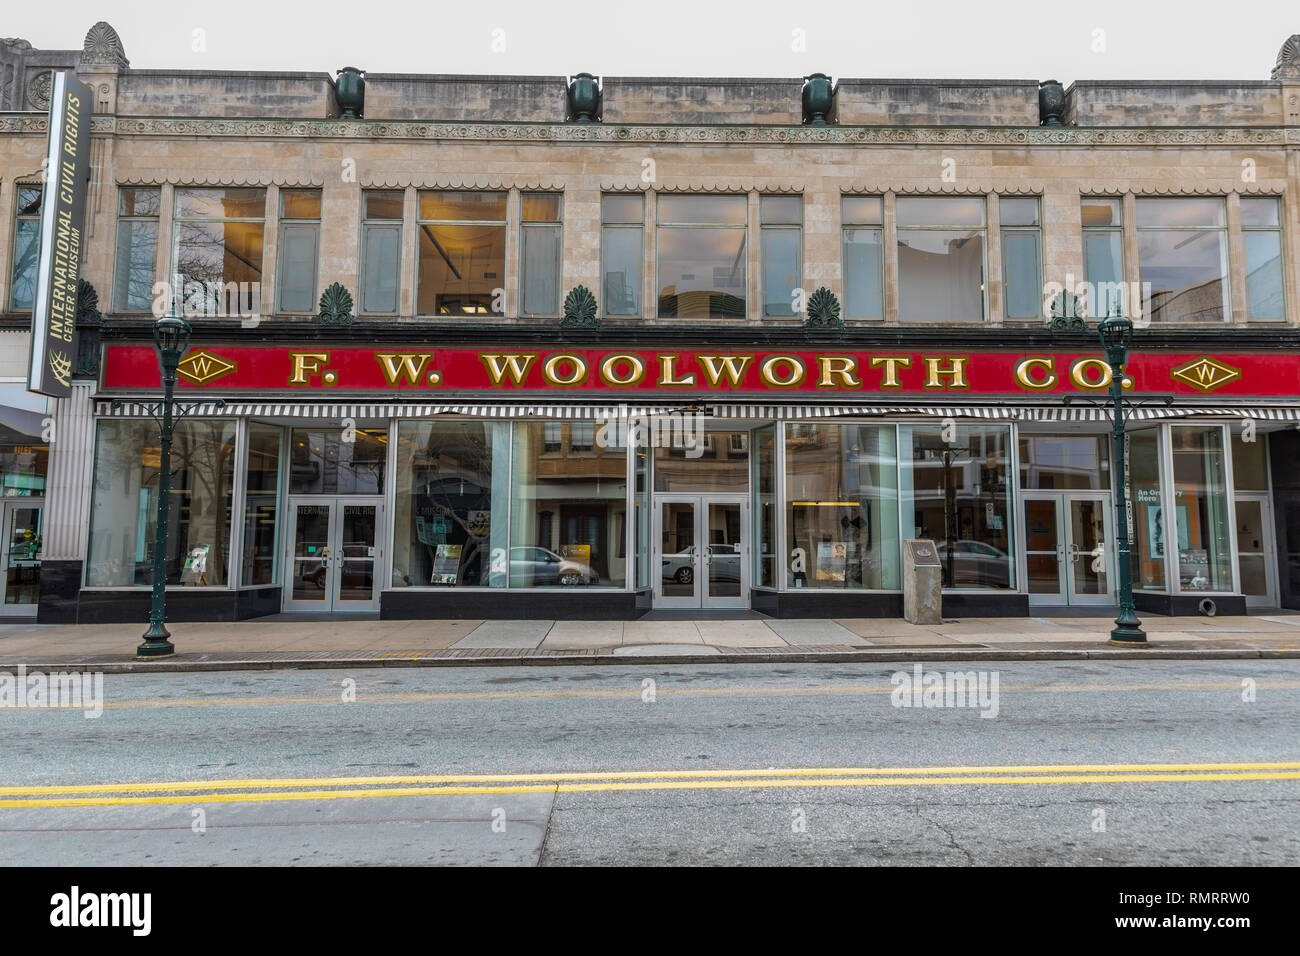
x=764 y=459
x=261 y=505
x=124 y=509
x=22 y=470
x=1064 y=462
x=1250 y=463
x=689 y=459
x=841 y=492
x=567 y=513
x=1201 y=507
x=452 y=492
x=1148 y=531
x=337 y=461
x=642 y=504
x=955 y=488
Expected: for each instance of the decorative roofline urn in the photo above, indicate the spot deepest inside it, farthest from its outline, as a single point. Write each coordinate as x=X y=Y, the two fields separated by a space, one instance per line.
x=1051 y=103
x=584 y=98
x=350 y=90
x=818 y=99
x=1288 y=59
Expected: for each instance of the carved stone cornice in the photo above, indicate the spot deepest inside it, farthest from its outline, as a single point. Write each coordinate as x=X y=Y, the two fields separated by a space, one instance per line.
x=540 y=133
x=455 y=182
x=266 y=178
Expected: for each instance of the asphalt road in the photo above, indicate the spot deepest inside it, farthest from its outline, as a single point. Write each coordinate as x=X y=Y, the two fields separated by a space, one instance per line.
x=1084 y=763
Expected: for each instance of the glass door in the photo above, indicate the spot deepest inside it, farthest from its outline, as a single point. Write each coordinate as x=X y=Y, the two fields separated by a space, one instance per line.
x=1088 y=540
x=1044 y=550
x=1067 y=554
x=1255 y=552
x=726 y=570
x=702 y=551
x=677 y=583
x=20 y=561
x=332 y=556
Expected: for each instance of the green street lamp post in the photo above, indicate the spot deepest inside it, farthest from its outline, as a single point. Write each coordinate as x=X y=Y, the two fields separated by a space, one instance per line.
x=171 y=337
x=1116 y=334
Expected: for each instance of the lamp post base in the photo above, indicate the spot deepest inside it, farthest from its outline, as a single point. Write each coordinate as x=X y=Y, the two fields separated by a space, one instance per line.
x=1128 y=630
x=156 y=643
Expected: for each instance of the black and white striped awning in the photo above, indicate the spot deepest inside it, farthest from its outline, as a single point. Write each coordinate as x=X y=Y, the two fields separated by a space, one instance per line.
x=792 y=411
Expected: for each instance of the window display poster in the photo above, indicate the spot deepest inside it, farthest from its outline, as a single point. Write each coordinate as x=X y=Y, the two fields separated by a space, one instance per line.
x=580 y=553
x=831 y=556
x=446 y=564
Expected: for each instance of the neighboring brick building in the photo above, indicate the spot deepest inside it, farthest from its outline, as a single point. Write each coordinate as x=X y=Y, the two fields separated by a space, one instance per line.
x=450 y=439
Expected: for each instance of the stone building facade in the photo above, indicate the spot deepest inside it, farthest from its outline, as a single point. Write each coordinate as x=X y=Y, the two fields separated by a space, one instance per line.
x=378 y=453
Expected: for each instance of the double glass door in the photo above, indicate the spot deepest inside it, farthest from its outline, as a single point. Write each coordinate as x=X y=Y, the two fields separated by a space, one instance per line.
x=702 y=551
x=20 y=561
x=333 y=555
x=1068 y=552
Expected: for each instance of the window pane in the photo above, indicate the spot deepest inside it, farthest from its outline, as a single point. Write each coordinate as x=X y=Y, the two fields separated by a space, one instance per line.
x=124 y=509
x=1148 y=510
x=781 y=209
x=133 y=276
x=941 y=211
x=541 y=270
x=566 y=515
x=764 y=484
x=300 y=203
x=138 y=200
x=1102 y=212
x=957 y=495
x=1018 y=211
x=1064 y=462
x=842 y=506
x=701 y=272
x=623 y=257
x=449 y=526
x=1249 y=464
x=1180 y=212
x=1264 y=274
x=616 y=208
x=1204 y=561
x=1103 y=257
x=941 y=275
x=460 y=267
x=261 y=505
x=860 y=210
x=219 y=266
x=298 y=267
x=383 y=204
x=27 y=249
x=541 y=207
x=29 y=201
x=862 y=274
x=322 y=463
x=22 y=467
x=703 y=209
x=468 y=206
x=220 y=203
x=1259 y=212
x=381 y=246
x=1023 y=284
x=1187 y=272
x=780 y=269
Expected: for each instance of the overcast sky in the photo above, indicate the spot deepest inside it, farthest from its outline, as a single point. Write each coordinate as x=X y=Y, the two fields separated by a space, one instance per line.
x=1074 y=39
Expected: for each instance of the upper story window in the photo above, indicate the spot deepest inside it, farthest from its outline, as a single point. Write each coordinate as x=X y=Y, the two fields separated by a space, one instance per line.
x=862 y=243
x=27 y=248
x=217 y=250
x=1183 y=250
x=381 y=250
x=299 y=241
x=137 y=244
x=1022 y=257
x=1261 y=227
x=701 y=256
x=541 y=254
x=941 y=244
x=781 y=249
x=462 y=253
x=1103 y=255
x=622 y=252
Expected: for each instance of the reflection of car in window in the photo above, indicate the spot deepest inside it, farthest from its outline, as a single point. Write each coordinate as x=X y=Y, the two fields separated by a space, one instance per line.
x=541 y=567
x=724 y=564
x=977 y=564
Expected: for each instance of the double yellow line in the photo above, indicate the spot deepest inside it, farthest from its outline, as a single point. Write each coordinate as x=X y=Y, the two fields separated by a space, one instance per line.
x=261 y=790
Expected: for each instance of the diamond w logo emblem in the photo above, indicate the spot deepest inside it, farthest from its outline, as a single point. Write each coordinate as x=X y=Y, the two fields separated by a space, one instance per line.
x=201 y=367
x=1206 y=374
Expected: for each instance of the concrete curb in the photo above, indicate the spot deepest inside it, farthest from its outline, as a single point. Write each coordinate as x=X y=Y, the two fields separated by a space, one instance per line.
x=873 y=655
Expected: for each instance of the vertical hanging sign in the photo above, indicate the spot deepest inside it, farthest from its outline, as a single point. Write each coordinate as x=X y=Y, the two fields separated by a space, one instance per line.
x=63 y=243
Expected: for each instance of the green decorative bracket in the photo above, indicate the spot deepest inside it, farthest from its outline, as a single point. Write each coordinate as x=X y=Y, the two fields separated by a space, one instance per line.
x=579 y=309
x=335 y=308
x=88 y=322
x=88 y=304
x=823 y=311
x=1067 y=314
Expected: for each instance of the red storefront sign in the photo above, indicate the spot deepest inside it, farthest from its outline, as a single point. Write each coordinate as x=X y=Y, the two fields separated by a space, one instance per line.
x=320 y=370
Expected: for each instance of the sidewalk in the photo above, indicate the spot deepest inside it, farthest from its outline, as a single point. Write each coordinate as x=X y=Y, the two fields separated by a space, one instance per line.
x=280 y=642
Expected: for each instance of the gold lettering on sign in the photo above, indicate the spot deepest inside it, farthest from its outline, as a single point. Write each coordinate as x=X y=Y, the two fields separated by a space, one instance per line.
x=1025 y=372
x=407 y=365
x=892 y=364
x=956 y=371
x=578 y=369
x=794 y=374
x=1080 y=377
x=732 y=365
x=668 y=374
x=304 y=364
x=842 y=367
x=515 y=364
x=609 y=370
